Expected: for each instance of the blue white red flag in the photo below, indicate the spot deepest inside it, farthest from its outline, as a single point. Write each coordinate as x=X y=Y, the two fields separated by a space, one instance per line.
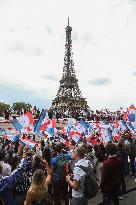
x=49 y=133
x=51 y=124
x=28 y=142
x=75 y=135
x=3 y=131
x=105 y=136
x=77 y=126
x=84 y=124
x=132 y=113
x=122 y=125
x=14 y=138
x=132 y=127
x=26 y=119
x=17 y=124
x=42 y=121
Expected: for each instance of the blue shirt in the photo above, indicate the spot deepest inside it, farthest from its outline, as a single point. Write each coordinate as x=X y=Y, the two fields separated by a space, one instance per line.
x=54 y=164
x=8 y=183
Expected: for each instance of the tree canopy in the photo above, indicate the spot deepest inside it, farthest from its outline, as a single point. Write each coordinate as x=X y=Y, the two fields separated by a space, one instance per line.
x=3 y=107
x=18 y=106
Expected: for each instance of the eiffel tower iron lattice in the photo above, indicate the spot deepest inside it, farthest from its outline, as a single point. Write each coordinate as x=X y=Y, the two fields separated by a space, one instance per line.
x=69 y=96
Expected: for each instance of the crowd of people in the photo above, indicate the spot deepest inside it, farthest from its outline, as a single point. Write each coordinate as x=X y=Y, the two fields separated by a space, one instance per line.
x=89 y=115
x=54 y=173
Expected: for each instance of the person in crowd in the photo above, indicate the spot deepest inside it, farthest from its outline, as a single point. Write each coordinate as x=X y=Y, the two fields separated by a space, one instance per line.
x=42 y=145
x=6 y=114
x=60 y=187
x=90 y=154
x=100 y=156
x=46 y=154
x=123 y=155
x=14 y=163
x=20 y=151
x=16 y=144
x=77 y=182
x=1 y=145
x=37 y=163
x=6 y=170
x=23 y=184
x=132 y=154
x=110 y=180
x=9 y=156
x=38 y=191
x=8 y=183
x=72 y=148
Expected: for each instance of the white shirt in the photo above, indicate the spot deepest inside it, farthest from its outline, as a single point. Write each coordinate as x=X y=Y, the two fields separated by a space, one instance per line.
x=6 y=169
x=79 y=175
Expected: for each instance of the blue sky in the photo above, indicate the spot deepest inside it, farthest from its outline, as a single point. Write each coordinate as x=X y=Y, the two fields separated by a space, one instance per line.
x=32 y=39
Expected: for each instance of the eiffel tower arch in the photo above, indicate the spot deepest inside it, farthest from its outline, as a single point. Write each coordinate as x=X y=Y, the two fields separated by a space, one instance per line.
x=69 y=96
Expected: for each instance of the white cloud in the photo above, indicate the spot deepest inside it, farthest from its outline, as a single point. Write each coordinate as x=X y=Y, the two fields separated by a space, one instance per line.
x=32 y=45
x=100 y=81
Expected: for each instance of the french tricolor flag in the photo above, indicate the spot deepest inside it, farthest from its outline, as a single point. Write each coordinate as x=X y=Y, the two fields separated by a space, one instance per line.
x=14 y=138
x=77 y=126
x=45 y=123
x=42 y=122
x=84 y=124
x=3 y=131
x=26 y=119
x=17 y=124
x=25 y=141
x=75 y=135
x=51 y=125
x=49 y=133
x=132 y=113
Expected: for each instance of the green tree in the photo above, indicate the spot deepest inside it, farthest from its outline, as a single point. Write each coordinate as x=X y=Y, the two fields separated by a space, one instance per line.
x=17 y=106
x=3 y=107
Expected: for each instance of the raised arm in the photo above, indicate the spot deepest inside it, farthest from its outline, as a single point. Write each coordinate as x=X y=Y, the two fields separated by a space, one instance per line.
x=11 y=181
x=48 y=178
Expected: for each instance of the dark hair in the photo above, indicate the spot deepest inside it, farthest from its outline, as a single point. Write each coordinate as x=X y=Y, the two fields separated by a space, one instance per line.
x=96 y=148
x=37 y=163
x=58 y=148
x=111 y=149
x=72 y=142
x=81 y=152
x=120 y=146
x=47 y=154
x=14 y=162
x=102 y=148
x=2 y=155
x=85 y=147
x=130 y=139
x=89 y=148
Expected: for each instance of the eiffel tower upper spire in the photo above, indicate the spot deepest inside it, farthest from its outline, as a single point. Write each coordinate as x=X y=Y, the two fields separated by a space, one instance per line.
x=69 y=96
x=68 y=21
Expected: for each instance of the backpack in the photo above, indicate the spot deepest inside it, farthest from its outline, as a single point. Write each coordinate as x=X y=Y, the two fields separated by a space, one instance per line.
x=61 y=167
x=90 y=183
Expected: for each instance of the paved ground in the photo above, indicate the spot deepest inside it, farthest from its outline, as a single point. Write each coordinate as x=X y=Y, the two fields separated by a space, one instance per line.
x=129 y=200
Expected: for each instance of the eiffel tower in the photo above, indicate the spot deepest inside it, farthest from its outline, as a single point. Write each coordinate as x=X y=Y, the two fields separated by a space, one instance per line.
x=69 y=96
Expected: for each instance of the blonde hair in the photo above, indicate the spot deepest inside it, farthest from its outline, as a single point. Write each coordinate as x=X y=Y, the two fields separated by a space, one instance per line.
x=38 y=187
